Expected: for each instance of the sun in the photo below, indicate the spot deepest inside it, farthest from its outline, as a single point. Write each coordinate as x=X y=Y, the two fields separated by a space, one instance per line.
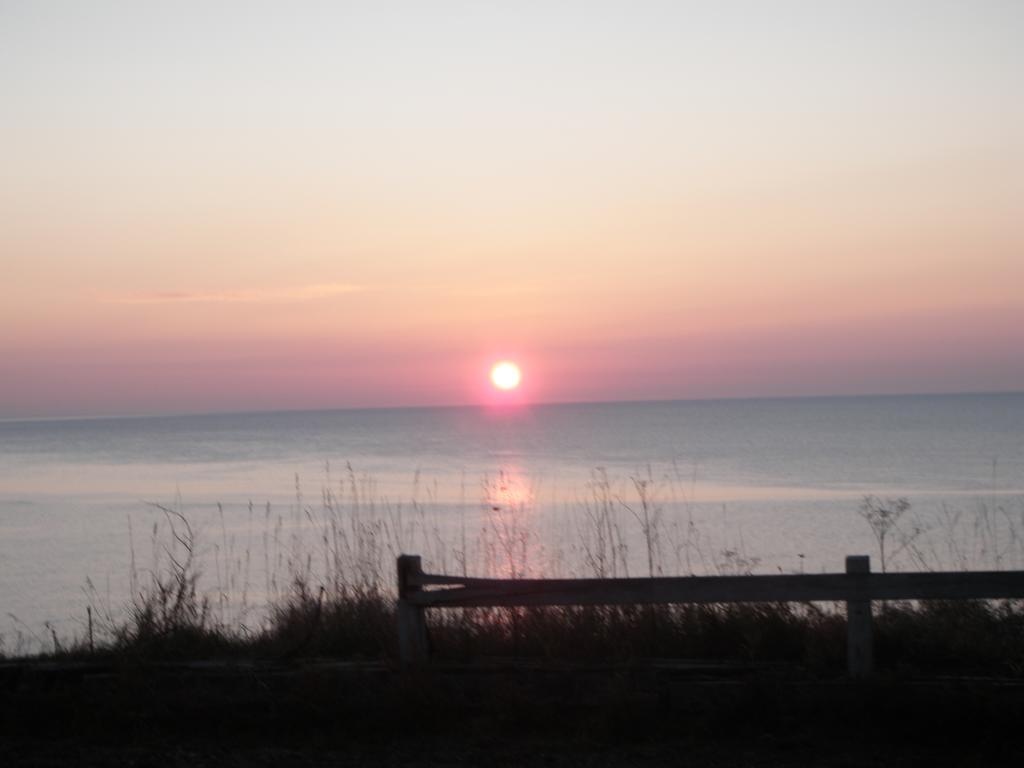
x=505 y=375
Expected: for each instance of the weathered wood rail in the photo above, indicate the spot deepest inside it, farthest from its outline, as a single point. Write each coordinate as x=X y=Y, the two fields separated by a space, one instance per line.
x=857 y=587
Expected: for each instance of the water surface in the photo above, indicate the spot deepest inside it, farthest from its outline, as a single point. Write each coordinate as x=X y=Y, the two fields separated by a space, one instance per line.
x=766 y=485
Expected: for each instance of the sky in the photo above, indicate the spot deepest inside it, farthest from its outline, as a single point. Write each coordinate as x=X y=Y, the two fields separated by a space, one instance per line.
x=212 y=206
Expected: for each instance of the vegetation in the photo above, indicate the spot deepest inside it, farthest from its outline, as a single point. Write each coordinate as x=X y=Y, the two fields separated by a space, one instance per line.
x=187 y=674
x=327 y=588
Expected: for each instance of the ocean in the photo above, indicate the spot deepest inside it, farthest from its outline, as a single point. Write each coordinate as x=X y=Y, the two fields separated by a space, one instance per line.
x=760 y=486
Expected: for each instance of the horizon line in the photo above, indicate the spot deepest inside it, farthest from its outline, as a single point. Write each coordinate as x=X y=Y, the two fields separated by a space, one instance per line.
x=484 y=406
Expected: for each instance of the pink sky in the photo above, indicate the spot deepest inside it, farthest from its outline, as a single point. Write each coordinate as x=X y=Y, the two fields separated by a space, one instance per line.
x=258 y=209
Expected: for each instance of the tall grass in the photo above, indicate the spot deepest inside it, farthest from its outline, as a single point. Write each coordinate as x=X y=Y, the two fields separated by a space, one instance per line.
x=317 y=579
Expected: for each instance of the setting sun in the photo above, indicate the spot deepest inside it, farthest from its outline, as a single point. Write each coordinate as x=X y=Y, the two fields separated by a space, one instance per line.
x=505 y=375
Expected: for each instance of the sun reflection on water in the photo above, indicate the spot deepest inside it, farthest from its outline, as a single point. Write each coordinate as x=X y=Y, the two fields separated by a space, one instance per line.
x=507 y=533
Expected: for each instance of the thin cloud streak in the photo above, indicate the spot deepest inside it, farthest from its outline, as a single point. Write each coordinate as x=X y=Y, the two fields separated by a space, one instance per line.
x=301 y=293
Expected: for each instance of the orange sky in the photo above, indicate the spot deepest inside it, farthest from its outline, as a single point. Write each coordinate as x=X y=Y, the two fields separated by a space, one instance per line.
x=220 y=207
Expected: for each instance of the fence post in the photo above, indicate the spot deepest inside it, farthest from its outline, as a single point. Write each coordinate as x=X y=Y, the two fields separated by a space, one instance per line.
x=412 y=625
x=859 y=644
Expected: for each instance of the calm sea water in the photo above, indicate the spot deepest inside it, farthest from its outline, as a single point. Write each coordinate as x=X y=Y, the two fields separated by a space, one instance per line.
x=762 y=485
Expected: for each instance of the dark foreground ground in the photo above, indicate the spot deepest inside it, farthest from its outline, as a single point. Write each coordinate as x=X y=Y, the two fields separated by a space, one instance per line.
x=497 y=714
x=728 y=754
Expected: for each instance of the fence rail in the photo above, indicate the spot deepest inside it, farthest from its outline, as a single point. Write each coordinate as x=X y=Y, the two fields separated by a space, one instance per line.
x=857 y=587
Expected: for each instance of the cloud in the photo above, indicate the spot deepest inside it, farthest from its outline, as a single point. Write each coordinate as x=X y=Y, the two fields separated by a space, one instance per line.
x=299 y=293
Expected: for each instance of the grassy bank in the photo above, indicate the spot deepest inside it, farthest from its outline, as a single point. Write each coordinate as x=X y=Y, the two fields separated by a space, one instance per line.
x=344 y=609
x=976 y=637
x=313 y=679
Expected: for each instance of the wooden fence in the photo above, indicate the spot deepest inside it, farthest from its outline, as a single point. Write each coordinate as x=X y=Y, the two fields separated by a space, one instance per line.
x=857 y=587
